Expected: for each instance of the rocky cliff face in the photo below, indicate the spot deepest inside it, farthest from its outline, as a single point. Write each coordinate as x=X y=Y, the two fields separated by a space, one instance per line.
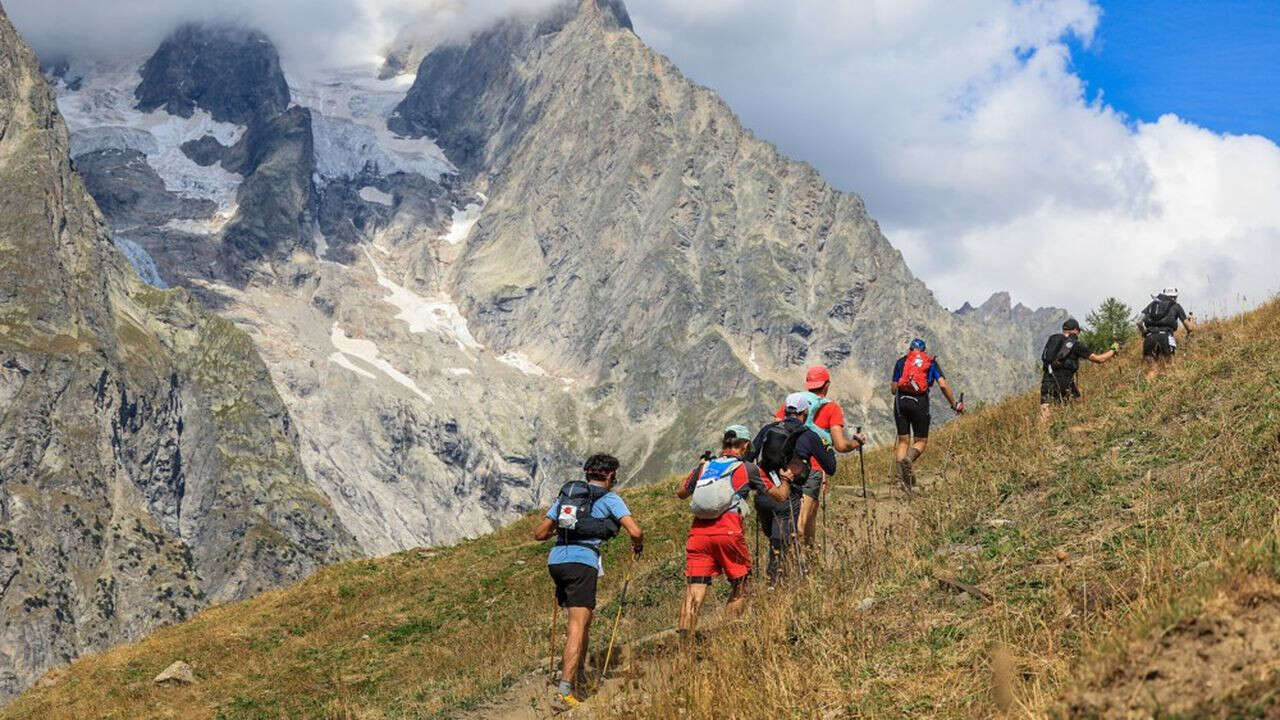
x=147 y=465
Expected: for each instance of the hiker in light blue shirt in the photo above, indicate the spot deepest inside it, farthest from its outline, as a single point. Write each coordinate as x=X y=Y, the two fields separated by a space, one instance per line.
x=586 y=513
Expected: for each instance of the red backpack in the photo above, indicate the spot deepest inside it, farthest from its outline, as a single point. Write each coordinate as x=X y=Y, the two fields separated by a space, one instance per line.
x=915 y=372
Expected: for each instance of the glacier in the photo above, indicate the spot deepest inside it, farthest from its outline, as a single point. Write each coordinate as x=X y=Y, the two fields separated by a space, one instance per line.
x=141 y=260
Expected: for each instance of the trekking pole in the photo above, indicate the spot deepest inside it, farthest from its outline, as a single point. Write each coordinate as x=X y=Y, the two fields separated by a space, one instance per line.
x=613 y=635
x=823 y=491
x=551 y=637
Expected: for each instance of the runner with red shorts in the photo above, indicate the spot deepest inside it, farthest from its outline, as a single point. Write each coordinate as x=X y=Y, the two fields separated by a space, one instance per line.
x=717 y=490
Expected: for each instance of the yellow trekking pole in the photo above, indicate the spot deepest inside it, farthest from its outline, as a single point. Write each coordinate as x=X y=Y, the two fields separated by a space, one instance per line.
x=613 y=635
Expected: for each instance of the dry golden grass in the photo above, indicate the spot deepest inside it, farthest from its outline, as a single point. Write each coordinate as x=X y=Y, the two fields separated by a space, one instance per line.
x=1119 y=519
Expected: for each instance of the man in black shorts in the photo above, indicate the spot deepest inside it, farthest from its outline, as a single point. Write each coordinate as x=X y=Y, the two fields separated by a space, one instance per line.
x=574 y=562
x=913 y=375
x=1158 y=324
x=1061 y=359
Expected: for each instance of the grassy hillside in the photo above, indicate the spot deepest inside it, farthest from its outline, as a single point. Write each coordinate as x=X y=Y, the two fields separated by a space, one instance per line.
x=1128 y=552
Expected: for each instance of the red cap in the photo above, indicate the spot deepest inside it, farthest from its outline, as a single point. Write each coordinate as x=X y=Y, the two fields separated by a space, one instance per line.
x=816 y=377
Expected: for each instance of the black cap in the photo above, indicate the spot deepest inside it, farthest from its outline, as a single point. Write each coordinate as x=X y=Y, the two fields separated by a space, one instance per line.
x=1071 y=324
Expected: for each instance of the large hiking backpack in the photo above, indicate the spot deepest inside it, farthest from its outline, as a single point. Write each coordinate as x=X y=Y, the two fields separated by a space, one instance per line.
x=1056 y=352
x=1160 y=314
x=816 y=402
x=778 y=444
x=915 y=373
x=574 y=523
x=713 y=494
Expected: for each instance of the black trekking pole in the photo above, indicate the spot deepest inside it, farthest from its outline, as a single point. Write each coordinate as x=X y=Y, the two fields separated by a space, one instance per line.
x=866 y=500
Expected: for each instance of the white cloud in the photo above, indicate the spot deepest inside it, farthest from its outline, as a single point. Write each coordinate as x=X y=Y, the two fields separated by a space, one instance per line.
x=328 y=32
x=963 y=125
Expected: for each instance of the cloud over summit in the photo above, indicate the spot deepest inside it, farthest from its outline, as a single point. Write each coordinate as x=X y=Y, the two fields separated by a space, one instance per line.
x=306 y=32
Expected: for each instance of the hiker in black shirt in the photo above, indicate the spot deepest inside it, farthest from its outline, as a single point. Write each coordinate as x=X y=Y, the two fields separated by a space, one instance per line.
x=1061 y=359
x=1158 y=324
x=779 y=520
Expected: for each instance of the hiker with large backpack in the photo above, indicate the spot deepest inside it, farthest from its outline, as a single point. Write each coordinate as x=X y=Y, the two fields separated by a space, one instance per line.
x=826 y=419
x=1061 y=360
x=717 y=491
x=1158 y=325
x=585 y=515
x=913 y=375
x=785 y=449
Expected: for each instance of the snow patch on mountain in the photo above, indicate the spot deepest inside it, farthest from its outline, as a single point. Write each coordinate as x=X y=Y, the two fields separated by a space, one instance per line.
x=349 y=111
x=141 y=260
x=367 y=350
x=207 y=226
x=100 y=114
x=526 y=365
x=440 y=315
x=338 y=358
x=368 y=193
x=461 y=223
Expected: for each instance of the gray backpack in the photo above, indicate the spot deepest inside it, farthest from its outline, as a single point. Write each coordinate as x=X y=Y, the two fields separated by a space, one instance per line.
x=713 y=494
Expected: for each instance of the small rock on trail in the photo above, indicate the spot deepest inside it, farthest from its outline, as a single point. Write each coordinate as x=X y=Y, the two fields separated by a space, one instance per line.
x=178 y=672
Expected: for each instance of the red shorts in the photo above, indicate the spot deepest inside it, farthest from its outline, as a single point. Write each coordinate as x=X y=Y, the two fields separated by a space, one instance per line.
x=710 y=555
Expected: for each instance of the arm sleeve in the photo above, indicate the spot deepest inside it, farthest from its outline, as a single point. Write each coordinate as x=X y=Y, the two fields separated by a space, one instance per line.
x=935 y=372
x=687 y=484
x=1181 y=314
x=826 y=456
x=897 y=368
x=554 y=511
x=1081 y=351
x=760 y=478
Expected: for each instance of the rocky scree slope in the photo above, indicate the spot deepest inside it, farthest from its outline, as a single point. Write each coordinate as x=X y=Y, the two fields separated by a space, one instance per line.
x=546 y=242
x=147 y=465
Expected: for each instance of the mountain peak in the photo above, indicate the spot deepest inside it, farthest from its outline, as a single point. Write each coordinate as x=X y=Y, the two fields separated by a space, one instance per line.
x=229 y=71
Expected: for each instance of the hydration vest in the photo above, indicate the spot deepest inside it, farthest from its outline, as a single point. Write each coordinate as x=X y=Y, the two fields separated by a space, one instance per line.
x=574 y=523
x=713 y=494
x=915 y=373
x=815 y=403
x=778 y=444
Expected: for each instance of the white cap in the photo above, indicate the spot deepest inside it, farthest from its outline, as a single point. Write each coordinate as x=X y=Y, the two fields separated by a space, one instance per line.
x=1170 y=291
x=797 y=402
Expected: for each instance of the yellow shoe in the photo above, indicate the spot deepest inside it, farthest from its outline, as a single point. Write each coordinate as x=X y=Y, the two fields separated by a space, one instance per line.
x=561 y=703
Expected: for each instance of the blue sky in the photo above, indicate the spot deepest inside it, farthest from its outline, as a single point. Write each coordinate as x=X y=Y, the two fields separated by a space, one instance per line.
x=1215 y=63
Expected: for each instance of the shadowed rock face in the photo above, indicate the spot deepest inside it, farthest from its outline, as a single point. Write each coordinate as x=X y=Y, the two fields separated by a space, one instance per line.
x=147 y=465
x=232 y=73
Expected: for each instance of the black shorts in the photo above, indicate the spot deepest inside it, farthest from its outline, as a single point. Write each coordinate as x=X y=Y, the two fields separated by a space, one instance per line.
x=1157 y=345
x=1058 y=388
x=575 y=584
x=911 y=413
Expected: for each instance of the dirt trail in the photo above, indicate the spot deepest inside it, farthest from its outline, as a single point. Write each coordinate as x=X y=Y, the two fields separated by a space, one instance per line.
x=530 y=697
